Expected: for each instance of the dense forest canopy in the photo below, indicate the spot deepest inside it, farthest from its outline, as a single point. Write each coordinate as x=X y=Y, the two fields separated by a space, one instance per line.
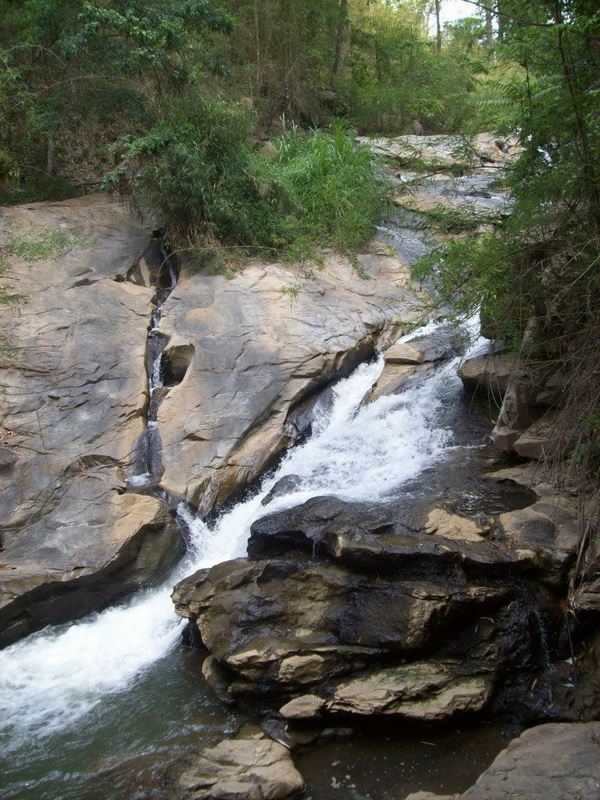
x=78 y=75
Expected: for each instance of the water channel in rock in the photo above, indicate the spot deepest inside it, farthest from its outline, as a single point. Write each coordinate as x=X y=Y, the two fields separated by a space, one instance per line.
x=101 y=707
x=147 y=465
x=114 y=697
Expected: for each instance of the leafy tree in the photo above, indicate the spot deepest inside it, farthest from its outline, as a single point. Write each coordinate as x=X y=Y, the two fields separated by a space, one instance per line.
x=93 y=68
x=538 y=275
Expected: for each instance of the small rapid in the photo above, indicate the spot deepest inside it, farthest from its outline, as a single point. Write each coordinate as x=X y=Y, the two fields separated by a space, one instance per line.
x=51 y=680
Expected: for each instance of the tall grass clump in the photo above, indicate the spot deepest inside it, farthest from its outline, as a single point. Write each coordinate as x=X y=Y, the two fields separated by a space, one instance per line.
x=331 y=188
x=199 y=174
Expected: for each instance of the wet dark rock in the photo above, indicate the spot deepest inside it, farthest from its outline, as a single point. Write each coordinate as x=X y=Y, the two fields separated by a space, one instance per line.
x=281 y=624
x=337 y=592
x=376 y=537
x=218 y=678
x=285 y=485
x=300 y=421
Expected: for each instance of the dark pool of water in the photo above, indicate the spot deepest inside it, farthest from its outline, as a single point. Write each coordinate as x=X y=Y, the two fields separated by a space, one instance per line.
x=125 y=748
x=390 y=766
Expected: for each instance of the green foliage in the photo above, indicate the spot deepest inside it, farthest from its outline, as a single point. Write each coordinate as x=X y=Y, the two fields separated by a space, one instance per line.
x=38 y=245
x=198 y=172
x=329 y=187
x=291 y=290
x=394 y=78
x=194 y=171
x=537 y=276
x=76 y=75
x=31 y=246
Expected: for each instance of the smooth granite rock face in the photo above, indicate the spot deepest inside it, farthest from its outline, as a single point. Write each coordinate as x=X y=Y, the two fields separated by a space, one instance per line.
x=549 y=762
x=74 y=393
x=257 y=353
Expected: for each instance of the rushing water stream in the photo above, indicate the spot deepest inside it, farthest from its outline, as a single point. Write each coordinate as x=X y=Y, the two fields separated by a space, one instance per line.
x=100 y=707
x=76 y=699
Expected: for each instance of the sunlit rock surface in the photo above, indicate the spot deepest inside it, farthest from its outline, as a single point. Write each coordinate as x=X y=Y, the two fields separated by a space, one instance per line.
x=554 y=762
x=258 y=351
x=245 y=768
x=74 y=391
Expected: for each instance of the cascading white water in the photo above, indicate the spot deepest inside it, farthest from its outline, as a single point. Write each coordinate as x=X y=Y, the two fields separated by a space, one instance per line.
x=51 y=679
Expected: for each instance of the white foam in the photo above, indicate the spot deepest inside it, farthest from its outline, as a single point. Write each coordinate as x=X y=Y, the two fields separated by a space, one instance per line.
x=51 y=679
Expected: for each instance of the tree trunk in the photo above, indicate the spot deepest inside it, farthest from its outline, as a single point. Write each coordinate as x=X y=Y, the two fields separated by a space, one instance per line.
x=50 y=153
x=438 y=26
x=489 y=27
x=341 y=32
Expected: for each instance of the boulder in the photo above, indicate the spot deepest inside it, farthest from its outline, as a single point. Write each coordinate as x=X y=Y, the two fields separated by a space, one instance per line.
x=72 y=406
x=544 y=536
x=378 y=537
x=406 y=362
x=249 y=768
x=554 y=762
x=535 y=442
x=444 y=343
x=282 y=624
x=489 y=374
x=285 y=485
x=259 y=353
x=421 y=691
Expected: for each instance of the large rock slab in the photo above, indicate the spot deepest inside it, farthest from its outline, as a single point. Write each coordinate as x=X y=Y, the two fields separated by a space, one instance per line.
x=257 y=353
x=421 y=691
x=91 y=550
x=381 y=537
x=554 y=762
x=72 y=405
x=336 y=589
x=282 y=624
x=249 y=768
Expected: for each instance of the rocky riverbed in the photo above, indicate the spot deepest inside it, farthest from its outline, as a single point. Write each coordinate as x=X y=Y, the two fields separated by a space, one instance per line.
x=432 y=596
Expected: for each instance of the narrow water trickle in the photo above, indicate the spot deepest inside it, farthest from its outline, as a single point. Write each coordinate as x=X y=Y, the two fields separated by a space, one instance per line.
x=147 y=464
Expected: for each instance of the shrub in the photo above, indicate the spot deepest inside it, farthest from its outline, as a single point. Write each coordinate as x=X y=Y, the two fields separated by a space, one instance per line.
x=331 y=189
x=198 y=173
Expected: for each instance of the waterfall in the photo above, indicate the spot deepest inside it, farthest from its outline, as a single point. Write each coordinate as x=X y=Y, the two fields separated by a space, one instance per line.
x=53 y=678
